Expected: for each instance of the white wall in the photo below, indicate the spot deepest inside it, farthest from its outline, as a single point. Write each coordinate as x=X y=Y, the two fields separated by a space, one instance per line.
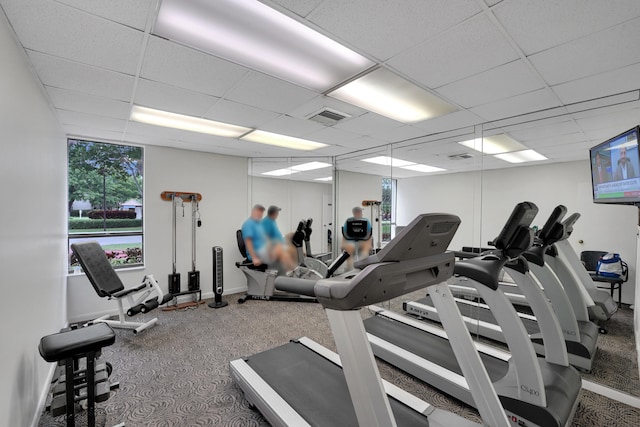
x=298 y=200
x=601 y=227
x=457 y=194
x=352 y=188
x=32 y=229
x=222 y=181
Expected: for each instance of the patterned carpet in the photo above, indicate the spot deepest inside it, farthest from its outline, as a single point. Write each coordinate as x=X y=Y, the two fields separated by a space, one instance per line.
x=177 y=373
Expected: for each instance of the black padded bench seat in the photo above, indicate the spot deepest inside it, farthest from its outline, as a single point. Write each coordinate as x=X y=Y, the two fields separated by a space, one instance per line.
x=64 y=345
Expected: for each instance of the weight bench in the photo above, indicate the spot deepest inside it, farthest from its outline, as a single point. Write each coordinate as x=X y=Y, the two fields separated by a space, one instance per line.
x=105 y=281
x=90 y=382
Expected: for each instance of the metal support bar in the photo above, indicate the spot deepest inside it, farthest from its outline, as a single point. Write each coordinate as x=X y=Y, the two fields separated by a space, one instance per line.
x=480 y=385
x=360 y=370
x=555 y=348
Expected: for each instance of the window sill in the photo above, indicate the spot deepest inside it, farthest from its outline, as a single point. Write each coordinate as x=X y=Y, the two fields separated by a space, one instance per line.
x=123 y=269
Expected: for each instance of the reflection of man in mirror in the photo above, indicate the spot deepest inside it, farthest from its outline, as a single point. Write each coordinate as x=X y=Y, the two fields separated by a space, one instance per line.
x=625 y=168
x=600 y=172
x=350 y=245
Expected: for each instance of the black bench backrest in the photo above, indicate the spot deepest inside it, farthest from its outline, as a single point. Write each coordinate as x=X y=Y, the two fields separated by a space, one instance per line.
x=97 y=267
x=241 y=247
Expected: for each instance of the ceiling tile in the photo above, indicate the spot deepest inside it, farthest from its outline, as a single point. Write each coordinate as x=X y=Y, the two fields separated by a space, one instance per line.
x=132 y=13
x=498 y=83
x=269 y=93
x=84 y=103
x=176 y=65
x=604 y=51
x=611 y=82
x=90 y=121
x=623 y=120
x=556 y=140
x=469 y=48
x=457 y=120
x=59 y=30
x=368 y=124
x=596 y=136
x=547 y=130
x=299 y=7
x=170 y=98
x=539 y=25
x=520 y=104
x=364 y=142
x=239 y=114
x=61 y=73
x=402 y=133
x=619 y=102
x=292 y=126
x=333 y=136
x=385 y=28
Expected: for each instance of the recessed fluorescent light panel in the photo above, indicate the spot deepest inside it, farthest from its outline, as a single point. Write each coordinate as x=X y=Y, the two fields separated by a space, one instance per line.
x=310 y=166
x=280 y=172
x=326 y=178
x=253 y=34
x=423 y=168
x=390 y=161
x=269 y=138
x=521 y=156
x=190 y=123
x=495 y=144
x=389 y=95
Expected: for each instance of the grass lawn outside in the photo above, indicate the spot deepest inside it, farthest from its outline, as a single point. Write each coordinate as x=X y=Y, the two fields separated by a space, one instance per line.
x=109 y=230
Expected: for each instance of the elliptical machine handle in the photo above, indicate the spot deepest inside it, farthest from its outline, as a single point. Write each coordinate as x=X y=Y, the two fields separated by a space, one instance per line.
x=337 y=263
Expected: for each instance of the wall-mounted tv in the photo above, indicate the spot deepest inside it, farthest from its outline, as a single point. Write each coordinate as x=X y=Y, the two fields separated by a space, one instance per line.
x=615 y=169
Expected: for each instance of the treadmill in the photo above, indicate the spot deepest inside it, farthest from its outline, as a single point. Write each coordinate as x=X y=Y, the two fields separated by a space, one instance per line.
x=588 y=302
x=537 y=391
x=579 y=337
x=304 y=384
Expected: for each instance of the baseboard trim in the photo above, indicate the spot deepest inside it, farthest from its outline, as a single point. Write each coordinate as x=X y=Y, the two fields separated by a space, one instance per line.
x=611 y=393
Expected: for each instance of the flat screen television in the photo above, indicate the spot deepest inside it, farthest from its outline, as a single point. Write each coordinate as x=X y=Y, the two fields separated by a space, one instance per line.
x=615 y=169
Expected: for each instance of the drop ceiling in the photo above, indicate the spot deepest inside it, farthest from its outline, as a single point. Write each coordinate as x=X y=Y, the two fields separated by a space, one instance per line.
x=491 y=59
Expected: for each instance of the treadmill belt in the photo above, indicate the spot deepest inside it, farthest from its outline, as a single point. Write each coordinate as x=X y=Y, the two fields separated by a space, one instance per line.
x=485 y=315
x=428 y=346
x=316 y=388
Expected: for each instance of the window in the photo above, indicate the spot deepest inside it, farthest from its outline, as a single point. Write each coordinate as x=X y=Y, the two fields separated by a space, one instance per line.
x=388 y=208
x=105 y=200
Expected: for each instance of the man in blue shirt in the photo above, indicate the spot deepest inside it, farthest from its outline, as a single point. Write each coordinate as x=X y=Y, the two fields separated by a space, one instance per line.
x=271 y=227
x=350 y=245
x=259 y=248
x=255 y=239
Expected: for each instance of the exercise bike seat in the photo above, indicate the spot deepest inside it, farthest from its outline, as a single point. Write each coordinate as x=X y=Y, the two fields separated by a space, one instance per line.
x=64 y=345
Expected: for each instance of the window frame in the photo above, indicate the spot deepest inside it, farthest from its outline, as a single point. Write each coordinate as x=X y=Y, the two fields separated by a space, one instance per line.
x=393 y=208
x=80 y=235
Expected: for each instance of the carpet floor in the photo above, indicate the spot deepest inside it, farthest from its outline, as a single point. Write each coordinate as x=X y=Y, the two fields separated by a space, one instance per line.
x=177 y=373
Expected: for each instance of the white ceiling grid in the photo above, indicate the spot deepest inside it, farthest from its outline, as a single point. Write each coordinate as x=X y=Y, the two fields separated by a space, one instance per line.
x=494 y=59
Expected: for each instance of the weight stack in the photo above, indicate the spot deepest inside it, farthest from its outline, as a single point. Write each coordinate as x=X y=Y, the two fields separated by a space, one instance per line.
x=218 y=287
x=174 y=283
